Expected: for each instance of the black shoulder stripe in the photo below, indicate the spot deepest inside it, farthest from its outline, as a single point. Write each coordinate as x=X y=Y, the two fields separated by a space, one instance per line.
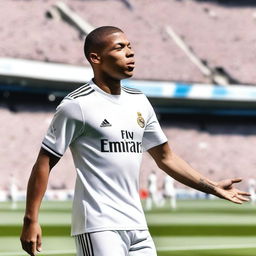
x=84 y=94
x=51 y=150
x=131 y=90
x=78 y=90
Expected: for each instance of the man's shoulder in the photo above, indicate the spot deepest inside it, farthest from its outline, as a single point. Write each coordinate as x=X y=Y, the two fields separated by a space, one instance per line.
x=69 y=108
x=82 y=91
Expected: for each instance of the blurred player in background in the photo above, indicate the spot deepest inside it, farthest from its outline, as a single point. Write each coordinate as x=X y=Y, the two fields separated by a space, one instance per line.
x=13 y=191
x=153 y=195
x=169 y=193
x=252 y=187
x=107 y=126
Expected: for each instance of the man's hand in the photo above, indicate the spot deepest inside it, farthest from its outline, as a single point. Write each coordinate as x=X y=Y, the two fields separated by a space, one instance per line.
x=31 y=237
x=226 y=190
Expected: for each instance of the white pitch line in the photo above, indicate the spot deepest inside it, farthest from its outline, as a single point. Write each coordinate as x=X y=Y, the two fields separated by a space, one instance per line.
x=205 y=247
x=53 y=252
x=160 y=249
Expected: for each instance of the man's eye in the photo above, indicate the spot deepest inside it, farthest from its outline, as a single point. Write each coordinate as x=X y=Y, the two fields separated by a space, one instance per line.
x=118 y=46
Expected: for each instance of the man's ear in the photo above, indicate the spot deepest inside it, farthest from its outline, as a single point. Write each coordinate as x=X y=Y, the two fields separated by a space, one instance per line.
x=95 y=58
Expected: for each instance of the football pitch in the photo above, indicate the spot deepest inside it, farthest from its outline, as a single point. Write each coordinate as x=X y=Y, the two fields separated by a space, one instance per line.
x=195 y=228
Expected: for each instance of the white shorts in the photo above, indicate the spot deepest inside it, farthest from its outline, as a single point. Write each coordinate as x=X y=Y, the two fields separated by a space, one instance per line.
x=115 y=243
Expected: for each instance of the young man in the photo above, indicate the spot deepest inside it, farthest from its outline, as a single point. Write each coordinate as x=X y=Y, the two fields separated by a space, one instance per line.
x=107 y=126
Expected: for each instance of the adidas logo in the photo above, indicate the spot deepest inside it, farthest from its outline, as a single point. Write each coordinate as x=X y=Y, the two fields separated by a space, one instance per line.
x=105 y=123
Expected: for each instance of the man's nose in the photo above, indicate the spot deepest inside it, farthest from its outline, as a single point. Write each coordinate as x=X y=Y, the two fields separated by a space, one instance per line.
x=129 y=52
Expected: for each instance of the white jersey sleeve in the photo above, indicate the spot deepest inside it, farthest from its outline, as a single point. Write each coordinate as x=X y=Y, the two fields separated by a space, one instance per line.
x=153 y=133
x=66 y=126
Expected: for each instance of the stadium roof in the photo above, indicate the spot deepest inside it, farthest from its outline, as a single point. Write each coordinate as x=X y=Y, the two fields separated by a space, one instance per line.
x=221 y=35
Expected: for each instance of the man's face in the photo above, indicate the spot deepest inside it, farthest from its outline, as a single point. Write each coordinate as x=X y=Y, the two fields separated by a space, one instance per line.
x=117 y=57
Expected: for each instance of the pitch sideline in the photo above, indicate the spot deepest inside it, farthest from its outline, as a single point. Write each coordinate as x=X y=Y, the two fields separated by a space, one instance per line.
x=160 y=249
x=204 y=247
x=52 y=252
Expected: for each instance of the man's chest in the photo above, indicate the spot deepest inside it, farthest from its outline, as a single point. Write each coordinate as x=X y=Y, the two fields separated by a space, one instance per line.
x=115 y=122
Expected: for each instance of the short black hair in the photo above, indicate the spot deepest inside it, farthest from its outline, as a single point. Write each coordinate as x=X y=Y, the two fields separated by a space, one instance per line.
x=93 y=40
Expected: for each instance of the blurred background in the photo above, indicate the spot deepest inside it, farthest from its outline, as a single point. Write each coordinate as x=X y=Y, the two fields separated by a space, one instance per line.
x=195 y=60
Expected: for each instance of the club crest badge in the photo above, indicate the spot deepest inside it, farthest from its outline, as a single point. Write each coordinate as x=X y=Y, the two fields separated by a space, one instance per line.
x=140 y=120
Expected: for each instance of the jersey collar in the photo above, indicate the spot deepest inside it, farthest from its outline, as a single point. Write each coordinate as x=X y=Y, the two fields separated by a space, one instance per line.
x=114 y=98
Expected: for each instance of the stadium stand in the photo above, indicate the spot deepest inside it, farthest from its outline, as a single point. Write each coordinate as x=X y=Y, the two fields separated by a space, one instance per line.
x=214 y=31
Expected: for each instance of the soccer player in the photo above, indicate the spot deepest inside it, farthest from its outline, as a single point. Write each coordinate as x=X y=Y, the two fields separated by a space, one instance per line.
x=107 y=127
x=13 y=191
x=153 y=195
x=169 y=193
x=251 y=188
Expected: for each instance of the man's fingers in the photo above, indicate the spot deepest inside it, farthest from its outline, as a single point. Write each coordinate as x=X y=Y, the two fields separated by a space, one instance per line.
x=235 y=200
x=33 y=248
x=28 y=247
x=235 y=197
x=31 y=238
x=243 y=193
x=236 y=180
x=25 y=247
x=245 y=199
x=39 y=243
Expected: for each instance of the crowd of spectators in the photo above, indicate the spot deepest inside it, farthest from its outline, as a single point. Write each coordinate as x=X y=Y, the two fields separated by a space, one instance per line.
x=221 y=35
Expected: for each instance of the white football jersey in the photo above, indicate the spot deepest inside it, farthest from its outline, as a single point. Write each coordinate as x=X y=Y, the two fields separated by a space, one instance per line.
x=107 y=135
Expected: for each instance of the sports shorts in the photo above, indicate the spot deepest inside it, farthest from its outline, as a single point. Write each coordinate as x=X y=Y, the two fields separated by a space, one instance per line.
x=115 y=243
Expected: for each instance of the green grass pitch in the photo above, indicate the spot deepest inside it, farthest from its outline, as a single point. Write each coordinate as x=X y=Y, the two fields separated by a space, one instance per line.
x=195 y=228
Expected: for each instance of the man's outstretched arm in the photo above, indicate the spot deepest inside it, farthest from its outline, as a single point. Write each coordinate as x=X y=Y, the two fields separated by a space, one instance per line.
x=180 y=170
x=31 y=231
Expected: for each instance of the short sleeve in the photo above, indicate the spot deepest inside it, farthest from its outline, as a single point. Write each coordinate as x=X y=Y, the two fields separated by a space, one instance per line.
x=66 y=126
x=153 y=133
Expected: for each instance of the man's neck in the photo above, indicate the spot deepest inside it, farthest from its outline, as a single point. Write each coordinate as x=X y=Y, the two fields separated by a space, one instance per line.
x=109 y=85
